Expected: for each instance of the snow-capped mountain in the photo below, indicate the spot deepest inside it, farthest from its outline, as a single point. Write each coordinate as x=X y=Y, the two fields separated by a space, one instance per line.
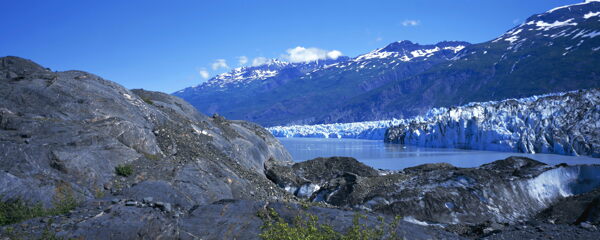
x=279 y=88
x=575 y=23
x=566 y=123
x=555 y=51
x=245 y=75
x=550 y=52
x=396 y=56
x=242 y=76
x=406 y=51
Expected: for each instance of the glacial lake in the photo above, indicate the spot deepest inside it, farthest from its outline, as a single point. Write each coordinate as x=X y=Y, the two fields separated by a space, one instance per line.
x=381 y=155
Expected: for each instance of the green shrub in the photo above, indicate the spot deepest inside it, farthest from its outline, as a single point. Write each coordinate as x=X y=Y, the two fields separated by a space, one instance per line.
x=308 y=227
x=17 y=210
x=124 y=170
x=63 y=206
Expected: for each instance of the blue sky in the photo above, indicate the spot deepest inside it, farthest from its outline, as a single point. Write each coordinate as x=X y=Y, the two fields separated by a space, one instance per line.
x=168 y=45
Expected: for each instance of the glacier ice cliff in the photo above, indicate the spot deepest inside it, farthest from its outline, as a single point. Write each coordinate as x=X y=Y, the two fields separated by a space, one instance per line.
x=362 y=130
x=565 y=123
x=561 y=123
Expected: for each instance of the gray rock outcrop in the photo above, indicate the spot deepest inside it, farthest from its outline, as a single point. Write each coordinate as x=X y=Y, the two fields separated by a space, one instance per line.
x=139 y=164
x=65 y=132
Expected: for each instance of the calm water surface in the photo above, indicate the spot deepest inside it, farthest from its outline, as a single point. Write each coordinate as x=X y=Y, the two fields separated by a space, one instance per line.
x=395 y=157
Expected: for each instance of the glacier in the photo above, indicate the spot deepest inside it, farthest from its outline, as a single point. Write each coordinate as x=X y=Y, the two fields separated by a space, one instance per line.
x=561 y=123
x=374 y=130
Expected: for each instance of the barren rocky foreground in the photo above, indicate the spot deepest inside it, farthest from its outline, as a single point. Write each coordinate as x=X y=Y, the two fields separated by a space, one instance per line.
x=135 y=164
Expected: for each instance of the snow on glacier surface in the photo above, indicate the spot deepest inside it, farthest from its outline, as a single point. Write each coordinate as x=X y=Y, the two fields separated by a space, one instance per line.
x=375 y=130
x=362 y=130
x=558 y=123
x=567 y=123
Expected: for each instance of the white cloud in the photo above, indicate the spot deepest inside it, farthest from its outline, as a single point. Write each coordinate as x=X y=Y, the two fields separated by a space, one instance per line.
x=302 y=54
x=203 y=73
x=410 y=23
x=259 y=61
x=334 y=54
x=219 y=63
x=242 y=60
x=378 y=39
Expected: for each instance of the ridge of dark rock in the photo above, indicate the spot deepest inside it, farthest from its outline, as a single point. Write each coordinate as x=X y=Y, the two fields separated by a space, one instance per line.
x=19 y=65
x=506 y=191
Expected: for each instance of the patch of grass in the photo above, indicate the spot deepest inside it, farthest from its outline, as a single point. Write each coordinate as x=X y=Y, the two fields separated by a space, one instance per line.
x=147 y=100
x=17 y=210
x=99 y=193
x=124 y=170
x=154 y=157
x=48 y=234
x=308 y=227
x=307 y=204
x=63 y=206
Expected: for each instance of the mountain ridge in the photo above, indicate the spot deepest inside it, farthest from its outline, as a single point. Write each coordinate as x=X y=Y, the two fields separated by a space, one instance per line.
x=404 y=58
x=552 y=51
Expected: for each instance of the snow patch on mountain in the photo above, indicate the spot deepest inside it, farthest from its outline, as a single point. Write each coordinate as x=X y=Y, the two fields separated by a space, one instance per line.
x=544 y=26
x=241 y=75
x=555 y=25
x=375 y=54
x=512 y=39
x=591 y=14
x=455 y=49
x=572 y=5
x=406 y=51
x=591 y=34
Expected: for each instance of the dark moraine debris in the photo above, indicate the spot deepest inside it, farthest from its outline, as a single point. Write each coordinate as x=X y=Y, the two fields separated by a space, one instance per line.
x=577 y=210
x=505 y=191
x=306 y=178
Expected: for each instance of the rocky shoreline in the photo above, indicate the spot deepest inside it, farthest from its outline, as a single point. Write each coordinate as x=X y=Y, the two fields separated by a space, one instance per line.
x=136 y=164
x=507 y=191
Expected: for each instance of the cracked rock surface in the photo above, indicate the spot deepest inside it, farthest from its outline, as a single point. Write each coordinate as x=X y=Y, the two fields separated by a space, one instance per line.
x=472 y=202
x=188 y=176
